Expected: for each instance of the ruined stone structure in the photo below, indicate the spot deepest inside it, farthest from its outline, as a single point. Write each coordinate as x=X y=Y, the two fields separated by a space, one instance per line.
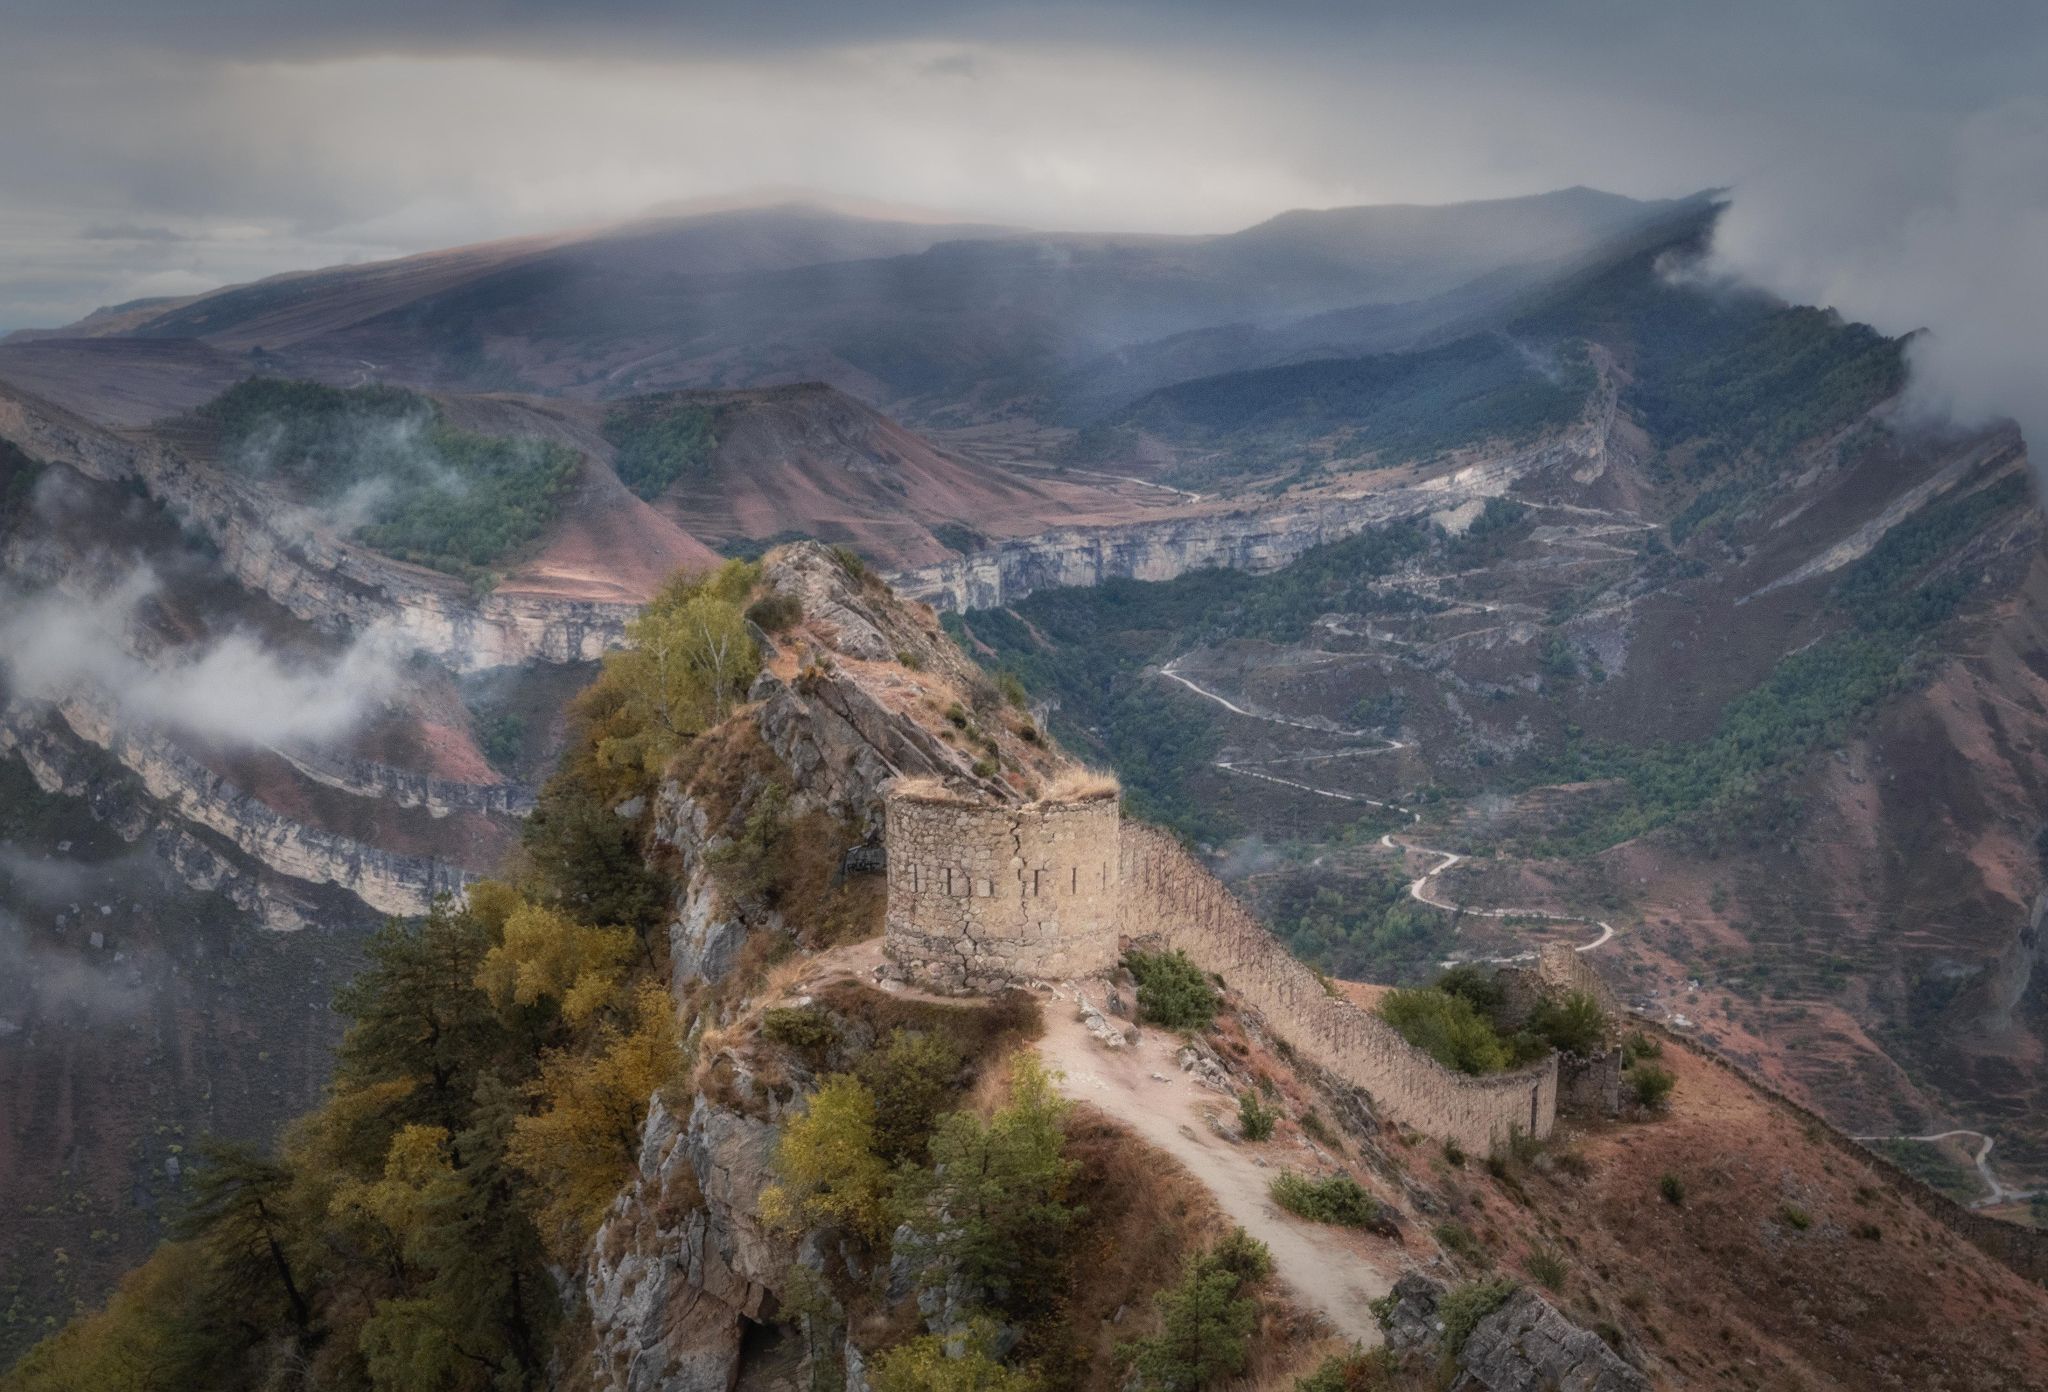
x=985 y=895
x=1171 y=898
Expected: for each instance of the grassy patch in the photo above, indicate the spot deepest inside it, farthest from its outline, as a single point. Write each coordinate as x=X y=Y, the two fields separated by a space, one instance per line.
x=1338 y=1199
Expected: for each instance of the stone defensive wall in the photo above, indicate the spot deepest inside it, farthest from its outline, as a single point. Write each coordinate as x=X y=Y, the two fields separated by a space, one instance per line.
x=1562 y=969
x=1169 y=897
x=984 y=895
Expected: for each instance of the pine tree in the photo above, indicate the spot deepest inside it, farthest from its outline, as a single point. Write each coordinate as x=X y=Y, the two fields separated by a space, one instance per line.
x=993 y=1207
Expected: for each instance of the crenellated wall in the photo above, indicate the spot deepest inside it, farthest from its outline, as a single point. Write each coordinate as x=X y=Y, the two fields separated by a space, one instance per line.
x=1168 y=896
x=986 y=894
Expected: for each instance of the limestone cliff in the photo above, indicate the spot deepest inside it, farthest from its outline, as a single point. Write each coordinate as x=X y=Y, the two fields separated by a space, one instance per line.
x=1257 y=538
x=318 y=577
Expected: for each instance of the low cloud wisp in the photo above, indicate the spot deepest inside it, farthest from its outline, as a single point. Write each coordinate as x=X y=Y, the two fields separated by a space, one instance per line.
x=231 y=690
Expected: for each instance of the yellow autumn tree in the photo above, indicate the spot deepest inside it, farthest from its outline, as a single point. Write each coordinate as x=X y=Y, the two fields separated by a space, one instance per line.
x=415 y=1168
x=689 y=659
x=543 y=954
x=578 y=1147
x=826 y=1166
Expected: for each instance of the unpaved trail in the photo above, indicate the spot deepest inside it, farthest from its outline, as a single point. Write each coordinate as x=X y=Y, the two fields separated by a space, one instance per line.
x=1171 y=671
x=1332 y=1270
x=1997 y=1192
x=1249 y=768
x=1419 y=891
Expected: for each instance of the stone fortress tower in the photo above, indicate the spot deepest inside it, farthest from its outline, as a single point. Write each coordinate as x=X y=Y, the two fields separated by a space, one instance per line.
x=985 y=895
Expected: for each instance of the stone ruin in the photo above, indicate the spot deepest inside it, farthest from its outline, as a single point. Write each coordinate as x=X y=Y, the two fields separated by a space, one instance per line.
x=984 y=895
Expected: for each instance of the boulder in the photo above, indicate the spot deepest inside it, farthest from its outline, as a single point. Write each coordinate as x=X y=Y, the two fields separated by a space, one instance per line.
x=1528 y=1346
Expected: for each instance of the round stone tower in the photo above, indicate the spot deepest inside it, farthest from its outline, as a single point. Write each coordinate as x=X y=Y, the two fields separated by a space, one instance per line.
x=986 y=895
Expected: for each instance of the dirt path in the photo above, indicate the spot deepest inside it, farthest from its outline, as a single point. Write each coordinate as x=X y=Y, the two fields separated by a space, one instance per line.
x=1419 y=891
x=1328 y=1269
x=1249 y=768
x=1998 y=1193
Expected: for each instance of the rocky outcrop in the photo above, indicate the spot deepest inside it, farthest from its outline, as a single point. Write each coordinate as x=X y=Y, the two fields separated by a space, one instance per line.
x=406 y=788
x=681 y=1262
x=61 y=762
x=1527 y=1346
x=198 y=797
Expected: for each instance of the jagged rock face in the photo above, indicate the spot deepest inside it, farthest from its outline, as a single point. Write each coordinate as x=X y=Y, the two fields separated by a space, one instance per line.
x=387 y=881
x=1524 y=1346
x=201 y=856
x=836 y=738
x=1527 y=1346
x=681 y=1263
x=1410 y=1319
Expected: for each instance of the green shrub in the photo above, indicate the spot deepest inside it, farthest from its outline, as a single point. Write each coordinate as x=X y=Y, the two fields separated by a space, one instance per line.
x=1448 y=1028
x=804 y=1028
x=1172 y=990
x=850 y=561
x=951 y=1363
x=1548 y=1268
x=1316 y=1129
x=1572 y=1023
x=1640 y=1046
x=1458 y=1239
x=1206 y=1319
x=1012 y=689
x=1795 y=1217
x=1477 y=984
x=912 y=1078
x=1464 y=1306
x=1651 y=1085
x=773 y=613
x=1673 y=1189
x=1255 y=1122
x=909 y=661
x=1338 y=1199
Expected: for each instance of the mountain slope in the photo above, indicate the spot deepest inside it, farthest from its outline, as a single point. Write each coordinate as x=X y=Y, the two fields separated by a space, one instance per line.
x=940 y=321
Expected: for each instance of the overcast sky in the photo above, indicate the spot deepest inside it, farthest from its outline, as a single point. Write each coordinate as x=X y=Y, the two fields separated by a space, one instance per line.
x=1888 y=157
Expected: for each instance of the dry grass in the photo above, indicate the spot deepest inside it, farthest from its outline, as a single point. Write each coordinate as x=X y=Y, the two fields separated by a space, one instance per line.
x=924 y=790
x=1145 y=1217
x=1081 y=785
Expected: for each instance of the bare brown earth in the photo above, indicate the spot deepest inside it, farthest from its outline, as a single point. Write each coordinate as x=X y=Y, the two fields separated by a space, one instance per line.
x=1789 y=1264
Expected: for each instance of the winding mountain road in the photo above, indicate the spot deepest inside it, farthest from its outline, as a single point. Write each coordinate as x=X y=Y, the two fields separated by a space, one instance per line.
x=1998 y=1192
x=1245 y=768
x=1419 y=891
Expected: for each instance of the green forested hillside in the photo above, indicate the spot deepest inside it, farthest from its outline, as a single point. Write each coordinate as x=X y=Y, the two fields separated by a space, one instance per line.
x=389 y=464
x=1729 y=369
x=660 y=439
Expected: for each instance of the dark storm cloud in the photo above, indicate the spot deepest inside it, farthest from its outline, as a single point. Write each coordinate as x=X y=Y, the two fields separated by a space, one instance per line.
x=1884 y=155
